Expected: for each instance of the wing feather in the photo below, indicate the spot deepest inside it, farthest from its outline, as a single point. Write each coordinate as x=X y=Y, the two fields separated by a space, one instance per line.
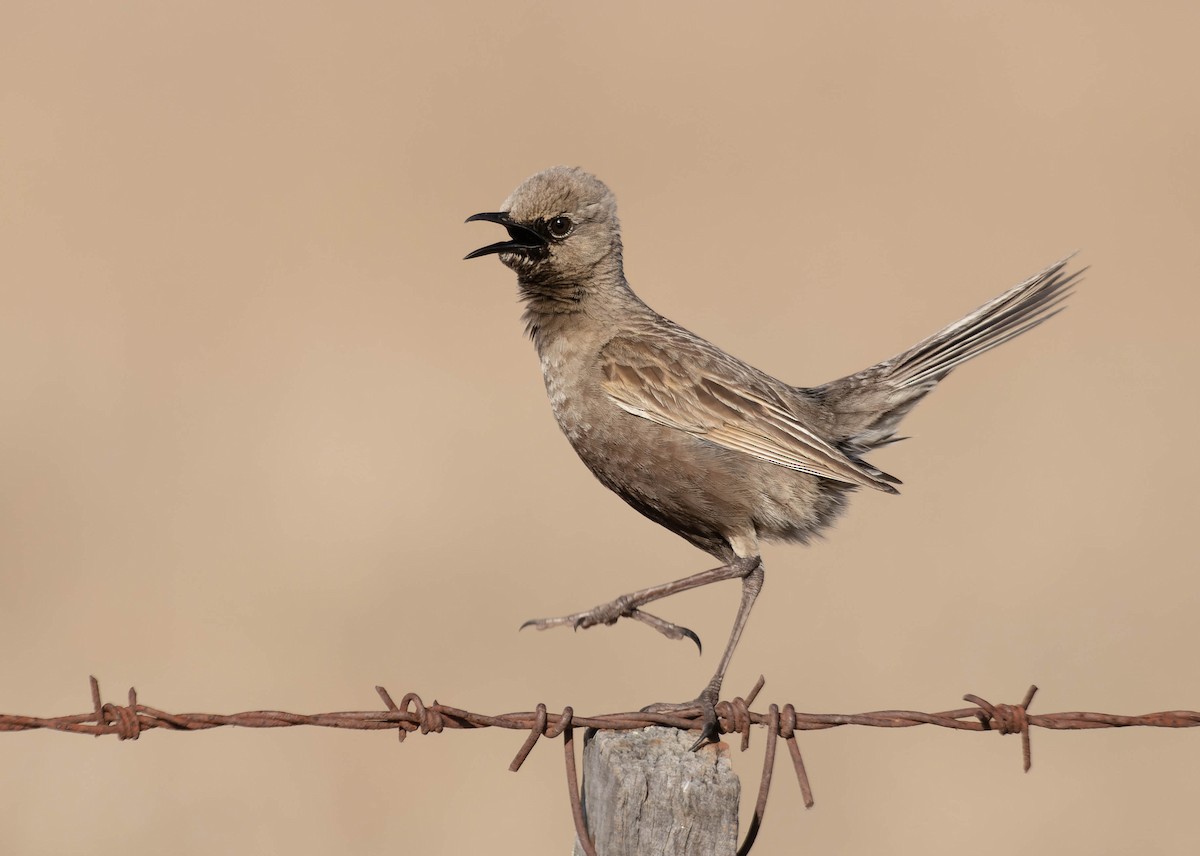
x=705 y=398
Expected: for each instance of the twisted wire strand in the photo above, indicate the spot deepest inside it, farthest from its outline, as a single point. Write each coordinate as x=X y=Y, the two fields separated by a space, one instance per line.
x=128 y=722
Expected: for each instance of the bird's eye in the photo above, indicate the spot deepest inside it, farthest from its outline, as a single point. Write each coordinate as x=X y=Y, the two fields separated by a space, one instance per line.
x=560 y=226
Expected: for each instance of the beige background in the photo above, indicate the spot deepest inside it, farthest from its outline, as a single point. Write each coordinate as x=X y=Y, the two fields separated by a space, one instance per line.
x=267 y=441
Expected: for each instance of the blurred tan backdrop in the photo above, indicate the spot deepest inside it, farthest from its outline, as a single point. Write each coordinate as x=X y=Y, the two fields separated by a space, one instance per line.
x=267 y=441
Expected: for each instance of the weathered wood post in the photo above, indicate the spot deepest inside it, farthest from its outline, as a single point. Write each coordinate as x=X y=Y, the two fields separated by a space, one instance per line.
x=644 y=792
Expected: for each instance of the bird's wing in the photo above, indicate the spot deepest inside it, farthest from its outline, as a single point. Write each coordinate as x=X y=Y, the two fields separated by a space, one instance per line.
x=707 y=399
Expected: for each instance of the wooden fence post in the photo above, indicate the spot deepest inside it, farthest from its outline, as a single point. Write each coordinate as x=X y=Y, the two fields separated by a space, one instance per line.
x=645 y=793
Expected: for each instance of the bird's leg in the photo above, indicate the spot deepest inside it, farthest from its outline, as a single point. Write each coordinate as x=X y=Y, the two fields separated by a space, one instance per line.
x=751 y=571
x=628 y=605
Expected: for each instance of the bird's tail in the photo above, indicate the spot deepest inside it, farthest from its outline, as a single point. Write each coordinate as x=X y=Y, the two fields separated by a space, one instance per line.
x=870 y=404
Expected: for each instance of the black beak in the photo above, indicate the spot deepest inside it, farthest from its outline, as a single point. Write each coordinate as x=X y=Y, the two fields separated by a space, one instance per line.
x=523 y=239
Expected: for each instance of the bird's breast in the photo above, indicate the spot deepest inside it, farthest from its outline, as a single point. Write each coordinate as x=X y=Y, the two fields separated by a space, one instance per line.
x=567 y=369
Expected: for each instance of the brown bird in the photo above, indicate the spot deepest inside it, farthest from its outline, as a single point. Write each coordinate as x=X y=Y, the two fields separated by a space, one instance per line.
x=715 y=450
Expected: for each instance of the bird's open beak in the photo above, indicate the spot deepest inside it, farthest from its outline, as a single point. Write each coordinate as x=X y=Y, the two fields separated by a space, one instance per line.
x=523 y=239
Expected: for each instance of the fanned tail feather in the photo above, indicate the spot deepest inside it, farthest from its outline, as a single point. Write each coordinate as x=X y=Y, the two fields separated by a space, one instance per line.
x=870 y=404
x=1018 y=310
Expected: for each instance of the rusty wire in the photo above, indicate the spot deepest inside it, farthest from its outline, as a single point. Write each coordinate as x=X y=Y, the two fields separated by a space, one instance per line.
x=412 y=714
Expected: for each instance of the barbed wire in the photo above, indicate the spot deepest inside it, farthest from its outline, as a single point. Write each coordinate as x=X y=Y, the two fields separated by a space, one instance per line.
x=127 y=722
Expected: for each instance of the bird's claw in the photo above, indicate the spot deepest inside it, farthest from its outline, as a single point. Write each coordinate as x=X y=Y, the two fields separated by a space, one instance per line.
x=706 y=702
x=710 y=731
x=577 y=621
x=667 y=628
x=610 y=613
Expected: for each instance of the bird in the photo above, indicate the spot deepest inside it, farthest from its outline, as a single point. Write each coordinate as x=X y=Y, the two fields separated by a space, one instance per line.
x=704 y=444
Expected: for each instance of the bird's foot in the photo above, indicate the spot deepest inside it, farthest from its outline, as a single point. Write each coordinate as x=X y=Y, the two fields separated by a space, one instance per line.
x=706 y=702
x=609 y=613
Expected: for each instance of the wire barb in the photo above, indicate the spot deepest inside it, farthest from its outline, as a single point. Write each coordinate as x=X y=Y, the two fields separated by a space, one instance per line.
x=113 y=718
x=574 y=789
x=539 y=728
x=764 y=785
x=1007 y=719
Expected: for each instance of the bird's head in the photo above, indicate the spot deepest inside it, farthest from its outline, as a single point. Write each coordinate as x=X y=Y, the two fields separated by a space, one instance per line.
x=562 y=229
